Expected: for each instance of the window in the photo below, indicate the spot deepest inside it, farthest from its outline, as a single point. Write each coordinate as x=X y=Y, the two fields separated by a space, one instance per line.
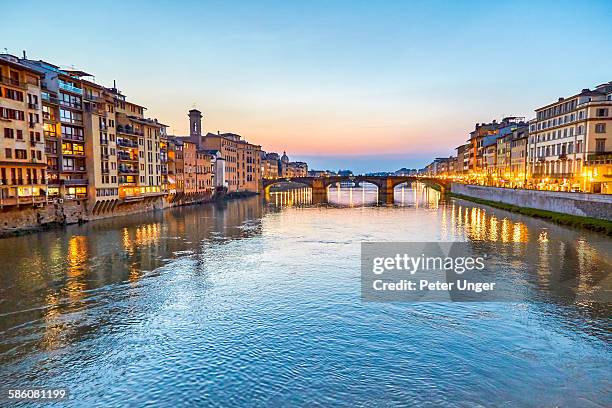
x=7 y=113
x=70 y=117
x=600 y=145
x=72 y=133
x=602 y=112
x=8 y=153
x=600 y=128
x=14 y=95
x=68 y=164
x=21 y=154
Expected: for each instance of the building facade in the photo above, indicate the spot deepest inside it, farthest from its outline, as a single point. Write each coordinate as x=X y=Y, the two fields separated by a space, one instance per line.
x=23 y=179
x=241 y=160
x=566 y=136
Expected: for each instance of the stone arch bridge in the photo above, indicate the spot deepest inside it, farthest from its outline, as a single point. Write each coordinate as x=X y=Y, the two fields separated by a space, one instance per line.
x=386 y=184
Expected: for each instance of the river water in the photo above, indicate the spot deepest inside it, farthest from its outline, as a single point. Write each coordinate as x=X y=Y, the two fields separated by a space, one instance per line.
x=247 y=303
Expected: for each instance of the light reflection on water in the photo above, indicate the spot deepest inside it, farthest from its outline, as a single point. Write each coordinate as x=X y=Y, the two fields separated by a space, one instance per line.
x=249 y=303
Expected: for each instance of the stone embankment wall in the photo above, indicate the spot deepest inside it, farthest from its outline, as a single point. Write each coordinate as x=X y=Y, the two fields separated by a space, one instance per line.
x=15 y=221
x=25 y=219
x=580 y=204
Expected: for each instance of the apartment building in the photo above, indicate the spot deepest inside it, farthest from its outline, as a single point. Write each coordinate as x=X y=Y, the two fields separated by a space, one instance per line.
x=269 y=165
x=22 y=149
x=568 y=134
x=518 y=157
x=463 y=158
x=176 y=168
x=241 y=159
x=481 y=135
x=139 y=156
x=63 y=117
x=100 y=148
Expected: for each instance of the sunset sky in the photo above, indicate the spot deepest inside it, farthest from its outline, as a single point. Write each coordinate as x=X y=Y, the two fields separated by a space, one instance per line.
x=366 y=85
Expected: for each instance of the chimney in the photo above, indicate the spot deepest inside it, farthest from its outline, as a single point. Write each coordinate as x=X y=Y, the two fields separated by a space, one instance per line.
x=218 y=132
x=24 y=55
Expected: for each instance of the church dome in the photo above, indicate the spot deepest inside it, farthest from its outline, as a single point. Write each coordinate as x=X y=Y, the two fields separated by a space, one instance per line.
x=285 y=158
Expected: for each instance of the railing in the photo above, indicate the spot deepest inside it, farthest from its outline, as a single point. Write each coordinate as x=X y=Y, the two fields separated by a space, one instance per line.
x=32 y=106
x=553 y=175
x=128 y=130
x=126 y=143
x=75 y=182
x=71 y=88
x=72 y=121
x=76 y=169
x=13 y=82
x=73 y=137
x=22 y=182
x=599 y=157
x=127 y=170
x=126 y=157
x=50 y=99
x=72 y=105
x=98 y=110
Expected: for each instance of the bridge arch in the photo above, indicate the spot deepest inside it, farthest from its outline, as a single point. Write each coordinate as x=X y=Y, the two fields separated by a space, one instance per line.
x=268 y=183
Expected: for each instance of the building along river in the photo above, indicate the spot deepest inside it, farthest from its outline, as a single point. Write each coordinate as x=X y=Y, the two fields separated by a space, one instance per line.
x=252 y=303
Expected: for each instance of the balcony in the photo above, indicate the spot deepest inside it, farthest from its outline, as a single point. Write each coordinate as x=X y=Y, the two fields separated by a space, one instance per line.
x=75 y=182
x=70 y=105
x=49 y=99
x=103 y=141
x=32 y=199
x=12 y=82
x=96 y=110
x=126 y=157
x=129 y=130
x=32 y=106
x=542 y=174
x=73 y=153
x=70 y=88
x=72 y=121
x=73 y=137
x=604 y=157
x=127 y=170
x=126 y=143
x=47 y=117
x=75 y=169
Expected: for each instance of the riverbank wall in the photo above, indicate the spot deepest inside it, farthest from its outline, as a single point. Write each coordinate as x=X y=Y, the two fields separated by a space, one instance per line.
x=578 y=204
x=591 y=211
x=23 y=220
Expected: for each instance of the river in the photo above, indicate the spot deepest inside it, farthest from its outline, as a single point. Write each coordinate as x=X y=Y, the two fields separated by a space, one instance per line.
x=252 y=303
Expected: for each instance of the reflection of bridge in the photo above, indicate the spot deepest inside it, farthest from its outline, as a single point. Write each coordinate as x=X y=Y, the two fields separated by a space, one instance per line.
x=386 y=184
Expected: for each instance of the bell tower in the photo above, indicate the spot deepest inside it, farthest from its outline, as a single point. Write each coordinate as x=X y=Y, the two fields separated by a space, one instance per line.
x=195 y=125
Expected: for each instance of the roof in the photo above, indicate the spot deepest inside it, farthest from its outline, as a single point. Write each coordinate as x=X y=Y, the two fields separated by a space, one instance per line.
x=10 y=60
x=77 y=73
x=490 y=140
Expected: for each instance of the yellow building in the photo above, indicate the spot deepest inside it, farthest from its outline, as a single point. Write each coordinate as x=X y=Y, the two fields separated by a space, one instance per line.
x=518 y=158
x=242 y=171
x=566 y=135
x=139 y=160
x=101 y=148
x=62 y=100
x=22 y=149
